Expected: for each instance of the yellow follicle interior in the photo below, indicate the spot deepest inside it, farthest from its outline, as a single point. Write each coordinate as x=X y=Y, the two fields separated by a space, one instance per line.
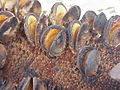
x=61 y=11
x=112 y=29
x=22 y=2
x=75 y=29
x=2 y=18
x=50 y=37
x=32 y=21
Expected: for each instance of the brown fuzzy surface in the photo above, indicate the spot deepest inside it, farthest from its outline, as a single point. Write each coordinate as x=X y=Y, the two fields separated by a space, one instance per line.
x=61 y=72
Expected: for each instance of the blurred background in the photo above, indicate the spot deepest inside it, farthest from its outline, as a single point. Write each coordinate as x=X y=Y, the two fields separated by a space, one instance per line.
x=109 y=7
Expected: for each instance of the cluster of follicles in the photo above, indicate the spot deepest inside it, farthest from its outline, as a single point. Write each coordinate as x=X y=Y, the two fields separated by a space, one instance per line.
x=57 y=50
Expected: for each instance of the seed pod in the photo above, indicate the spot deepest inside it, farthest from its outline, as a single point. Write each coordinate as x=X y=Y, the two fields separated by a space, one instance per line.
x=23 y=7
x=88 y=60
x=32 y=83
x=19 y=5
x=112 y=31
x=29 y=83
x=42 y=24
x=99 y=24
x=8 y=23
x=31 y=7
x=73 y=14
x=53 y=40
x=88 y=17
x=30 y=27
x=58 y=10
x=83 y=36
x=73 y=30
x=114 y=72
